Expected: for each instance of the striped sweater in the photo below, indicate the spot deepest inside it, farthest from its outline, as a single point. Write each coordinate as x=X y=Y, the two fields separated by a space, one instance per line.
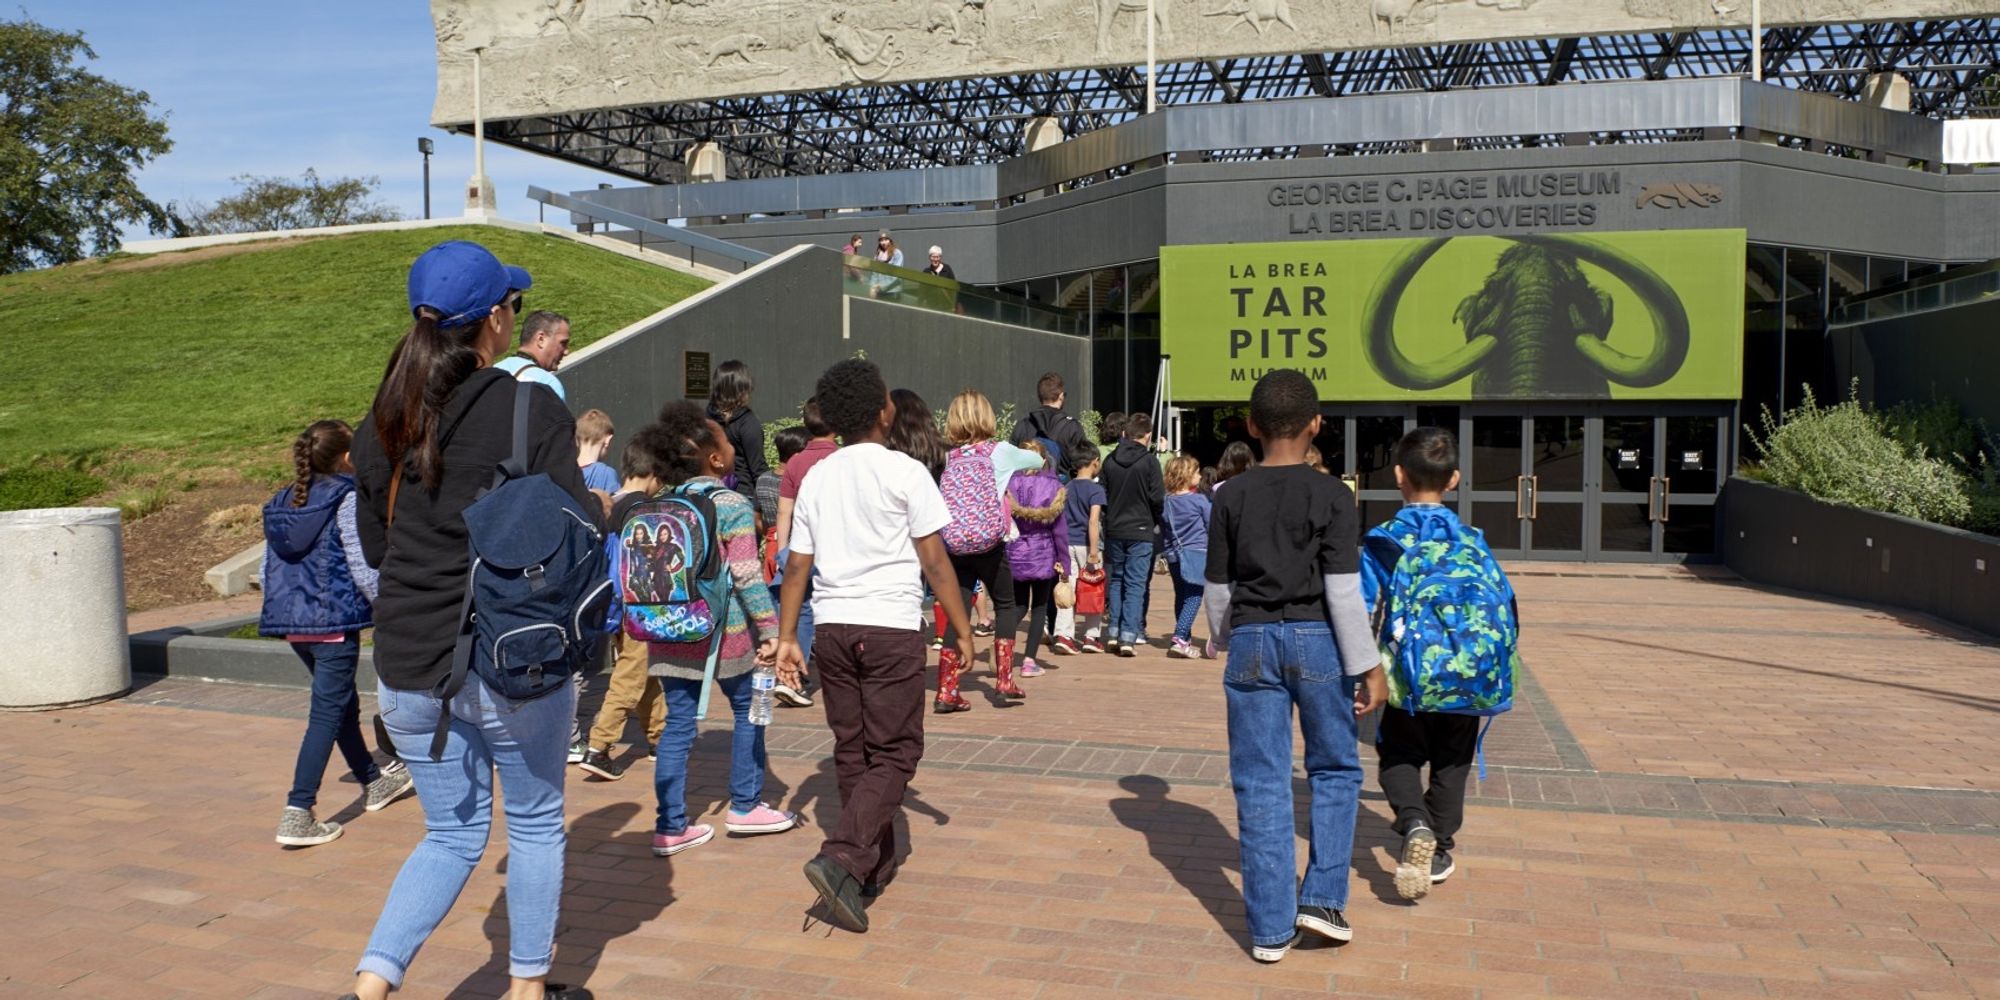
x=749 y=600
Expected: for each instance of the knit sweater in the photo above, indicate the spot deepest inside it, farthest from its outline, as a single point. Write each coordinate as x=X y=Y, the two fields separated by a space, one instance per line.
x=749 y=600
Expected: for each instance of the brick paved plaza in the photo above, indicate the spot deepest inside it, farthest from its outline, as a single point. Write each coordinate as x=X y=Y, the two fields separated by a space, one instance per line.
x=1708 y=790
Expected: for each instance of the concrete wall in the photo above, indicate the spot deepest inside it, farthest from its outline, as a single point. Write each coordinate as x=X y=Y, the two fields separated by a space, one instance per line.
x=789 y=319
x=1784 y=196
x=1788 y=539
x=1951 y=353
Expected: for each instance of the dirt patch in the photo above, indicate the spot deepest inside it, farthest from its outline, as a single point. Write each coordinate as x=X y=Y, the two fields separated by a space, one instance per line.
x=167 y=551
x=171 y=258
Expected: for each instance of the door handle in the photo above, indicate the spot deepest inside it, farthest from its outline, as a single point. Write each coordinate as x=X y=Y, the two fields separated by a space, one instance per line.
x=1653 y=499
x=1534 y=497
x=1666 y=499
x=1521 y=498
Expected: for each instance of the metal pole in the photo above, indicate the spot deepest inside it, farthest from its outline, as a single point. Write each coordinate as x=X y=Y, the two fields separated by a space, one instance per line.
x=427 y=185
x=1757 y=40
x=478 y=125
x=1152 y=59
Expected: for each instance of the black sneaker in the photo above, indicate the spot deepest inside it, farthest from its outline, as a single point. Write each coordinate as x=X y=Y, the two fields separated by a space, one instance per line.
x=982 y=631
x=1269 y=953
x=1441 y=866
x=840 y=892
x=791 y=696
x=1326 y=922
x=1414 y=870
x=599 y=762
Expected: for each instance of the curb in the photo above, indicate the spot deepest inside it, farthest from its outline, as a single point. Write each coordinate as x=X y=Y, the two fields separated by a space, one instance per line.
x=203 y=651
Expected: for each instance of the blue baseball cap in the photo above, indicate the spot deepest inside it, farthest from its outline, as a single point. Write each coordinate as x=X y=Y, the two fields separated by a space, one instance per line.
x=463 y=281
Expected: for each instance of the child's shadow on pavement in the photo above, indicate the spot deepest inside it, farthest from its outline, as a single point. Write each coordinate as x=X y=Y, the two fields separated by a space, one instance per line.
x=1191 y=843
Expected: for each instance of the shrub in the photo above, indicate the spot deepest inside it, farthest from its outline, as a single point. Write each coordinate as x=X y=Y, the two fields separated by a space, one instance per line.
x=36 y=486
x=1843 y=454
x=771 y=429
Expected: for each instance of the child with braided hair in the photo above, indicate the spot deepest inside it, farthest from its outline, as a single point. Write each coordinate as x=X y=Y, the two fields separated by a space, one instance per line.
x=318 y=595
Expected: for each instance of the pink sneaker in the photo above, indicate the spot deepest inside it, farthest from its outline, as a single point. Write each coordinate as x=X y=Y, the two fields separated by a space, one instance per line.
x=666 y=845
x=1029 y=668
x=1182 y=648
x=762 y=819
x=1208 y=649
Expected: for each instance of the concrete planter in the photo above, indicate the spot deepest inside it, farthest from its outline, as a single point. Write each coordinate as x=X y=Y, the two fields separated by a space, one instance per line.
x=1786 y=538
x=62 y=581
x=204 y=651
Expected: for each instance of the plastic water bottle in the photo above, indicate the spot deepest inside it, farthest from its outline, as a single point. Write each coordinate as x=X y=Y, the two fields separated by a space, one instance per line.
x=763 y=685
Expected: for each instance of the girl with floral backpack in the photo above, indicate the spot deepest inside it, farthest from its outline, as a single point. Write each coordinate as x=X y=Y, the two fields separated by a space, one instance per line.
x=1039 y=556
x=974 y=488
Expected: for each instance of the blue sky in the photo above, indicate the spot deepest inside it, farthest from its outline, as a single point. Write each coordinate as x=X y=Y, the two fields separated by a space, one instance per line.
x=276 y=87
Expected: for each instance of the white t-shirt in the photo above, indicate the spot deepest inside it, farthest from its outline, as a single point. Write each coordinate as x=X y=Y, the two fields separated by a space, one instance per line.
x=859 y=515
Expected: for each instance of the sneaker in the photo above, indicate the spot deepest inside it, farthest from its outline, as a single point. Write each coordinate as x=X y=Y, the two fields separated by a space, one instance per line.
x=1274 y=952
x=1441 y=866
x=840 y=892
x=1127 y=650
x=762 y=819
x=937 y=642
x=788 y=695
x=1181 y=648
x=299 y=828
x=1029 y=668
x=1090 y=646
x=1326 y=922
x=1208 y=649
x=1064 y=645
x=666 y=845
x=983 y=630
x=1111 y=646
x=1413 y=871
x=578 y=746
x=388 y=787
x=600 y=763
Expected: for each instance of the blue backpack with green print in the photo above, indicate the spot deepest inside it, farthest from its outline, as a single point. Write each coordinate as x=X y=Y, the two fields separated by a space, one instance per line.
x=1446 y=617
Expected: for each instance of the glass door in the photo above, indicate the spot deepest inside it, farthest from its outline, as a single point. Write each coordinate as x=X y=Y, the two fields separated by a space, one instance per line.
x=1657 y=483
x=1493 y=473
x=1690 y=486
x=1525 y=481
x=1627 y=486
x=1557 y=485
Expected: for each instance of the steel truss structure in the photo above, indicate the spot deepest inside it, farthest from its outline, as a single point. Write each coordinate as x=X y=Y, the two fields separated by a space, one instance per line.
x=1950 y=65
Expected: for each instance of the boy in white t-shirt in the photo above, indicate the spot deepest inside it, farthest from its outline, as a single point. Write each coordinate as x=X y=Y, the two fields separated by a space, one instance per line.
x=865 y=532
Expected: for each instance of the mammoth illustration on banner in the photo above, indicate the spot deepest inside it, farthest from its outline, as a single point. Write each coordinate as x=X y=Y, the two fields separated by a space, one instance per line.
x=1536 y=327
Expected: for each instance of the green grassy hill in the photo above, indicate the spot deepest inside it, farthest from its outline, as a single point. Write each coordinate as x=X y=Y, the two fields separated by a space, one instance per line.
x=216 y=358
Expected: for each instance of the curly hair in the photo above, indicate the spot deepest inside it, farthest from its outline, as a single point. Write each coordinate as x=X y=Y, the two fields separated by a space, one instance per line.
x=1283 y=403
x=691 y=438
x=851 y=395
x=316 y=452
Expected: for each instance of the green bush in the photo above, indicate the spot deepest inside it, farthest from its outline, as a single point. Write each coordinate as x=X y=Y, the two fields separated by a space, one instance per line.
x=1844 y=454
x=771 y=429
x=35 y=486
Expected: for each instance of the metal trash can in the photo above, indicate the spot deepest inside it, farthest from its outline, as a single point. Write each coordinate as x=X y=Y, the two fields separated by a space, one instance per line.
x=62 y=608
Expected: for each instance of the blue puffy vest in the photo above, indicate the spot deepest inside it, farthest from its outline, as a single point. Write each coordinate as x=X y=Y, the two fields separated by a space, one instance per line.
x=307 y=587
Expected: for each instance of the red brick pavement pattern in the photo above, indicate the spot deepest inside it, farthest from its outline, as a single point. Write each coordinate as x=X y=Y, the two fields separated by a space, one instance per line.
x=1669 y=673
x=135 y=861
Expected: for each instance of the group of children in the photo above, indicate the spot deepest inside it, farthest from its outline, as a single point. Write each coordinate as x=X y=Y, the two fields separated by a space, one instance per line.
x=835 y=569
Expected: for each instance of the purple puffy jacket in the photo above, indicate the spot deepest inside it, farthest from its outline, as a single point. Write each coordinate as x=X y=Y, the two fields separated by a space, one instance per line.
x=1038 y=513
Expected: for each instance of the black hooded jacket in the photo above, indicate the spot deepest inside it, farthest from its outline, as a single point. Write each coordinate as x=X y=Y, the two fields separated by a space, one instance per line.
x=746 y=435
x=424 y=561
x=1063 y=429
x=1136 y=493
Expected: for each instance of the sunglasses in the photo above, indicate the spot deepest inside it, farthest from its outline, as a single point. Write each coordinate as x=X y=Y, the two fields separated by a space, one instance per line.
x=515 y=303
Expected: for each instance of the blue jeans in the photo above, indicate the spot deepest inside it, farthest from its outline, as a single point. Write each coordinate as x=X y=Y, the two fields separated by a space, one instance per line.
x=335 y=719
x=1187 y=602
x=529 y=742
x=1272 y=668
x=746 y=751
x=1129 y=566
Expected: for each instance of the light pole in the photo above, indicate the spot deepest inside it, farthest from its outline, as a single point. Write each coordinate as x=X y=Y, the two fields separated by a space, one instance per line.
x=426 y=147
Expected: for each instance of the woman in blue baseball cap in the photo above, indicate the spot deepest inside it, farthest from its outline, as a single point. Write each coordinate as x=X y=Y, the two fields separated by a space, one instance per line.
x=428 y=448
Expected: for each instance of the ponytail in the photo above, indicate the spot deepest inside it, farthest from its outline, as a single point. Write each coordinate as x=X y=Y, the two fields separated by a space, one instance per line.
x=316 y=452
x=429 y=363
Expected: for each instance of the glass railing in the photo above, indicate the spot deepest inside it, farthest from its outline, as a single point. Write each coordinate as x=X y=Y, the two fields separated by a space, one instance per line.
x=866 y=277
x=1944 y=292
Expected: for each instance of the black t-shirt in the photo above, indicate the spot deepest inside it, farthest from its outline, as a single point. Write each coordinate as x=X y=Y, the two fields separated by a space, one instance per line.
x=1275 y=534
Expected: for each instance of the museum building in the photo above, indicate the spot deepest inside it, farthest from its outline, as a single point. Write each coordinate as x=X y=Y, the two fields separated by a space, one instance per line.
x=1599 y=258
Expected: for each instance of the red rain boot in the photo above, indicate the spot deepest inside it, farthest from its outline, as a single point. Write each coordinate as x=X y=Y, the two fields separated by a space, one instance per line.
x=1003 y=664
x=948 y=700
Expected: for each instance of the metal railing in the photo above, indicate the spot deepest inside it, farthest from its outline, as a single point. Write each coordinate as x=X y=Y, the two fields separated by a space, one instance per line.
x=1930 y=294
x=644 y=231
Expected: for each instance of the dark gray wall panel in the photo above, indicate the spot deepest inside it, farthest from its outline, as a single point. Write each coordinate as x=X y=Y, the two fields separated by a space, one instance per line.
x=1951 y=353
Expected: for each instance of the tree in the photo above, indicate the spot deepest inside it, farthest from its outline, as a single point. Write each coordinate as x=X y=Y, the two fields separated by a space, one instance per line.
x=268 y=203
x=70 y=144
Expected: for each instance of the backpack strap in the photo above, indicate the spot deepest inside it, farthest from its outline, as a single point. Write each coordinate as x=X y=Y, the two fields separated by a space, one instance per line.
x=516 y=464
x=449 y=685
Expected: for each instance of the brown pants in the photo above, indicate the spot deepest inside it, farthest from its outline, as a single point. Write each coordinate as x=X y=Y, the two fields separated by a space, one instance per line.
x=633 y=692
x=872 y=683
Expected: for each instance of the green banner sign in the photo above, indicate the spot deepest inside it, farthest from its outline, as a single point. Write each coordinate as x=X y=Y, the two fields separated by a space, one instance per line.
x=1634 y=315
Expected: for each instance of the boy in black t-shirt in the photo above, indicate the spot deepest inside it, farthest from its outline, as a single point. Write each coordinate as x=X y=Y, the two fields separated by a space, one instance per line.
x=1284 y=598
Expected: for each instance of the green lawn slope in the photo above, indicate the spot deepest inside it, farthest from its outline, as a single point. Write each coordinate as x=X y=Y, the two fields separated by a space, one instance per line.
x=217 y=358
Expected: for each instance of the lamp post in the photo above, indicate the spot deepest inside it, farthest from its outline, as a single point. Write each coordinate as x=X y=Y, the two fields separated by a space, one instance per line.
x=426 y=147
x=1152 y=60
x=478 y=191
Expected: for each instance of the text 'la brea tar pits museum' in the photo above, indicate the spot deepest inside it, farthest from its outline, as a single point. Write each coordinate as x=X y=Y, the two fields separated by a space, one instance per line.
x=1595 y=237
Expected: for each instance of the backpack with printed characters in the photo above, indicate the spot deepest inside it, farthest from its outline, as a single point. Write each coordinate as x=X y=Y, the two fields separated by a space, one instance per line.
x=1447 y=618
x=668 y=567
x=971 y=491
